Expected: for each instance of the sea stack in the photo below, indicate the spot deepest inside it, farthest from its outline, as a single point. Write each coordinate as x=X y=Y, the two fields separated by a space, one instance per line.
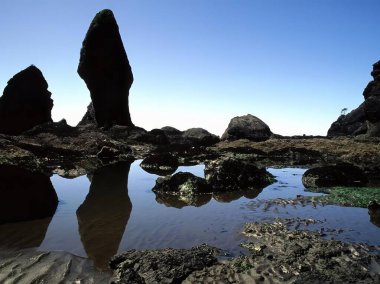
x=25 y=102
x=366 y=118
x=104 y=66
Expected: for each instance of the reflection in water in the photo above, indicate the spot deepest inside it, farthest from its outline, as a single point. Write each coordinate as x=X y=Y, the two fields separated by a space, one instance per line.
x=25 y=195
x=22 y=235
x=198 y=200
x=104 y=214
x=374 y=213
x=235 y=195
x=178 y=201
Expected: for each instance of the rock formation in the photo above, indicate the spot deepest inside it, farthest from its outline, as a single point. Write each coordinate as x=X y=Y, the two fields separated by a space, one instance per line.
x=228 y=174
x=104 y=66
x=147 y=266
x=185 y=184
x=160 y=164
x=247 y=127
x=343 y=174
x=366 y=118
x=25 y=102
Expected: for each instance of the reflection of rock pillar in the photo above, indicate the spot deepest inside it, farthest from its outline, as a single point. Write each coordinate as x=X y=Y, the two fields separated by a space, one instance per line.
x=25 y=195
x=104 y=214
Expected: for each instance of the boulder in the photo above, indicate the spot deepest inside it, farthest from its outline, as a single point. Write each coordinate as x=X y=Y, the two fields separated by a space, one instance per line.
x=199 y=137
x=247 y=127
x=162 y=265
x=25 y=102
x=228 y=174
x=25 y=195
x=160 y=164
x=183 y=184
x=338 y=175
x=104 y=66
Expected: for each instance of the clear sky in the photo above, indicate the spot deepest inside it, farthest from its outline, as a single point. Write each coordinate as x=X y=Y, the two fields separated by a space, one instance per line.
x=293 y=63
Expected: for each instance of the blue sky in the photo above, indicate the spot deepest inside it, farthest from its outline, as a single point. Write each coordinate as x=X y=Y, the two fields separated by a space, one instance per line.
x=293 y=63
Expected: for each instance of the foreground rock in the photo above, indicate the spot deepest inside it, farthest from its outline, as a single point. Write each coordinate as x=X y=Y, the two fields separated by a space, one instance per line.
x=25 y=102
x=25 y=195
x=162 y=266
x=304 y=257
x=229 y=174
x=160 y=164
x=338 y=175
x=247 y=127
x=366 y=118
x=104 y=66
x=276 y=255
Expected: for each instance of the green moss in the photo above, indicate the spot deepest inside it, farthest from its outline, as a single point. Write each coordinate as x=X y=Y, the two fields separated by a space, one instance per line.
x=350 y=196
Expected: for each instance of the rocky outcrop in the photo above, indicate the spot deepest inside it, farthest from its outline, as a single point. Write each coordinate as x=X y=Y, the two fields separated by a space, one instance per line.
x=366 y=118
x=228 y=174
x=163 y=265
x=89 y=117
x=104 y=66
x=339 y=175
x=25 y=195
x=25 y=102
x=353 y=123
x=160 y=164
x=183 y=184
x=247 y=127
x=199 y=137
x=191 y=136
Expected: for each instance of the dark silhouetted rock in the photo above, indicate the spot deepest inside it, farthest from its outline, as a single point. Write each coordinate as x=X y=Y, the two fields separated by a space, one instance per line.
x=184 y=184
x=89 y=117
x=229 y=174
x=105 y=68
x=339 y=175
x=353 y=123
x=199 y=137
x=104 y=214
x=247 y=127
x=60 y=129
x=25 y=195
x=163 y=265
x=25 y=102
x=366 y=118
x=160 y=164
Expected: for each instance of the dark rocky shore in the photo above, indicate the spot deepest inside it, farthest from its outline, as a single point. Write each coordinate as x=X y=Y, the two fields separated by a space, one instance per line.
x=34 y=147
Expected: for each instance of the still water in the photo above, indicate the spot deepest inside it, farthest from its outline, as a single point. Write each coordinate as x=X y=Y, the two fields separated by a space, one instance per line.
x=115 y=210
